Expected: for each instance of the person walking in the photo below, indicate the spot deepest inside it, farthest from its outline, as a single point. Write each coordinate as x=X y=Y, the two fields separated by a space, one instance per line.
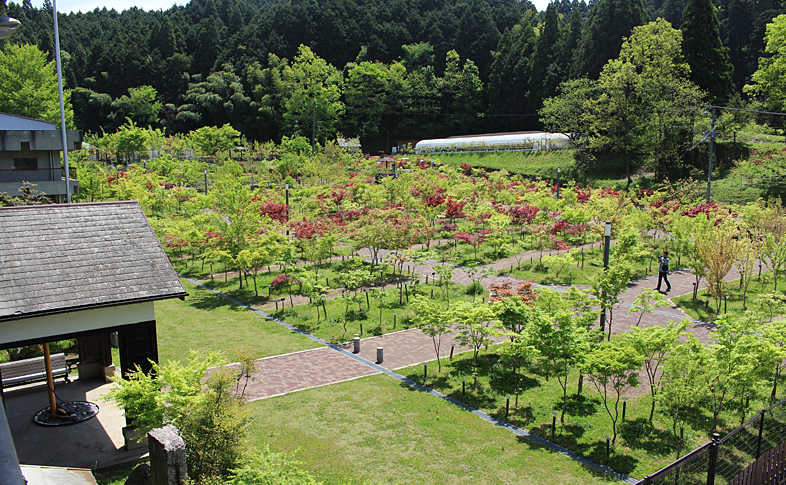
x=663 y=271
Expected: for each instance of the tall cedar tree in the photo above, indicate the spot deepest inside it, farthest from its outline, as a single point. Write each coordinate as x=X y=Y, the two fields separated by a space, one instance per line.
x=609 y=21
x=702 y=48
x=735 y=32
x=546 y=74
x=570 y=41
x=510 y=71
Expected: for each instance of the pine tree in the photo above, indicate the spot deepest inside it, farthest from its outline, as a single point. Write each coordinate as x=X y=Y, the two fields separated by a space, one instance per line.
x=702 y=48
x=609 y=21
x=208 y=45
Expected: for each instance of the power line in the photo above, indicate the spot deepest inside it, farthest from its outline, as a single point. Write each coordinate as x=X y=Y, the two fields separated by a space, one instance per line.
x=749 y=110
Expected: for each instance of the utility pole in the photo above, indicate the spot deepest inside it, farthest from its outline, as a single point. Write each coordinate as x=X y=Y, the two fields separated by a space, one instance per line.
x=712 y=146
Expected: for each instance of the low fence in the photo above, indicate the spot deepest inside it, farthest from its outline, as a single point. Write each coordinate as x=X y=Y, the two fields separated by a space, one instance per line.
x=753 y=454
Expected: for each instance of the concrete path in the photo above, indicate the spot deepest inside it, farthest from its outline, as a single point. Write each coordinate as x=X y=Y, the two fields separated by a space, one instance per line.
x=95 y=443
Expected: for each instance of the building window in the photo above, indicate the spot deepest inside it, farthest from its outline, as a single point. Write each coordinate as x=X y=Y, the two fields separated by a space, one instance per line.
x=25 y=163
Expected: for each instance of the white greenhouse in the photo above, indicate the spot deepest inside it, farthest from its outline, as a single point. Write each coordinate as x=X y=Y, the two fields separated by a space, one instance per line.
x=518 y=141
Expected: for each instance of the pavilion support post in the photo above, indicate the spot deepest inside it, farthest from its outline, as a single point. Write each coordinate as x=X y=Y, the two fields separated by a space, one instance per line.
x=50 y=382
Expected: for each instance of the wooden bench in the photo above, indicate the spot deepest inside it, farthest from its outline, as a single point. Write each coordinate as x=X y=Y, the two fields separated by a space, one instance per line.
x=27 y=370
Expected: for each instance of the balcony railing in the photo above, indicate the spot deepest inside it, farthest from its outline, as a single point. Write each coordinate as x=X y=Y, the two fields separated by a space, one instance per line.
x=36 y=175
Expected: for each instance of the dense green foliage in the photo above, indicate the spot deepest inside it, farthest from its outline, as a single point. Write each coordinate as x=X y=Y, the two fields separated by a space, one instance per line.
x=29 y=84
x=388 y=73
x=701 y=44
x=642 y=107
x=234 y=234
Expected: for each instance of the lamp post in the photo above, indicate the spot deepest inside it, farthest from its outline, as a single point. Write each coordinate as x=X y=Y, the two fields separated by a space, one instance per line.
x=606 y=245
x=62 y=109
x=7 y=26
x=314 y=129
x=558 y=170
x=287 y=201
x=712 y=144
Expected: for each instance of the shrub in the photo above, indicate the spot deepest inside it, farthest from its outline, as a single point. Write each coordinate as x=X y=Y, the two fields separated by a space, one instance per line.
x=268 y=468
x=475 y=288
x=209 y=413
x=283 y=280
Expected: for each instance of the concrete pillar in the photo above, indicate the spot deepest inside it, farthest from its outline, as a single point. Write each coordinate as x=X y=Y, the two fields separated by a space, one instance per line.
x=356 y=343
x=167 y=456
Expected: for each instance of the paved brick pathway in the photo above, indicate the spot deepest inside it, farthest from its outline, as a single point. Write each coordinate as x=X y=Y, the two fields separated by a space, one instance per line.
x=282 y=374
x=407 y=348
x=303 y=370
x=287 y=373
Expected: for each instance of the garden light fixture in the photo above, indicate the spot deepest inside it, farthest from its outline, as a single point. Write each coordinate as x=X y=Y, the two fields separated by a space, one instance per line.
x=7 y=26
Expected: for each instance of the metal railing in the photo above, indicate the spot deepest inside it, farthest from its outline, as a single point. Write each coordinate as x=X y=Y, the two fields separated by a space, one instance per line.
x=724 y=459
x=759 y=435
x=36 y=175
x=691 y=469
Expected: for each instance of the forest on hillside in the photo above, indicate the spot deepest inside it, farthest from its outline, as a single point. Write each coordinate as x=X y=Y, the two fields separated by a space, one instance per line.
x=381 y=70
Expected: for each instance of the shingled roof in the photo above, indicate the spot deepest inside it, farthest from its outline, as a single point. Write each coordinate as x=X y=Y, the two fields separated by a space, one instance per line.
x=62 y=258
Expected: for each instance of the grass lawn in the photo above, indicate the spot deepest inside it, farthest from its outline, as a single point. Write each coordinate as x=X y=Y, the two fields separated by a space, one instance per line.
x=345 y=317
x=376 y=430
x=605 y=172
x=328 y=276
x=567 y=274
x=708 y=313
x=641 y=448
x=207 y=322
x=541 y=163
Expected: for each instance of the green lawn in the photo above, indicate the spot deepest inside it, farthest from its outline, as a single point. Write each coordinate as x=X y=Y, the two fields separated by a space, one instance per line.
x=709 y=313
x=375 y=430
x=377 y=320
x=641 y=448
x=573 y=273
x=543 y=163
x=604 y=172
x=207 y=322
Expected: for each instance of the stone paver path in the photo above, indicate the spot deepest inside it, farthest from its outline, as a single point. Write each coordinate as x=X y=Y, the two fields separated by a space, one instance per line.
x=303 y=370
x=407 y=348
x=297 y=371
